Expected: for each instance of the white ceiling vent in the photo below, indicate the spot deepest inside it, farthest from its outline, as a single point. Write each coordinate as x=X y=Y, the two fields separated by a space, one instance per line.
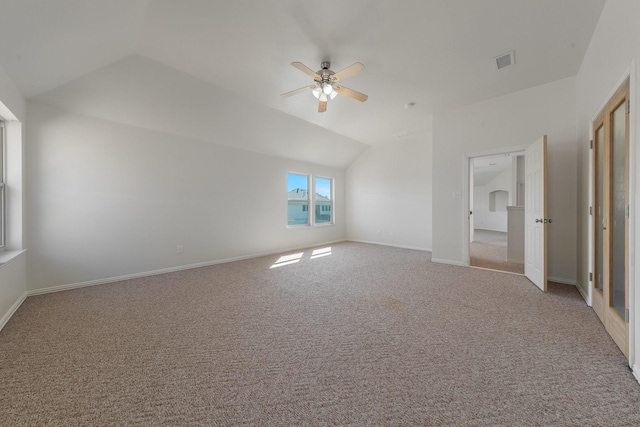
x=505 y=60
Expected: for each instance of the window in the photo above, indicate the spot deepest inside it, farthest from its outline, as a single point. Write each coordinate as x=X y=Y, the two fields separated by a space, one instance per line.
x=323 y=200
x=298 y=199
x=2 y=186
x=304 y=191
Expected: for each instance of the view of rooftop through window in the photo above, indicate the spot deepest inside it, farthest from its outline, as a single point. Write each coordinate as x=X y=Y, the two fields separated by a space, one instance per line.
x=301 y=195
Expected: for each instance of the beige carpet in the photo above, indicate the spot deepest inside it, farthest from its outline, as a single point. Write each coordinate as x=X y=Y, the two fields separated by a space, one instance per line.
x=489 y=250
x=360 y=335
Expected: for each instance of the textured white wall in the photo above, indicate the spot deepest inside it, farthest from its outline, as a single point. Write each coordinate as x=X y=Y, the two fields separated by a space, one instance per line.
x=389 y=195
x=615 y=44
x=511 y=120
x=107 y=200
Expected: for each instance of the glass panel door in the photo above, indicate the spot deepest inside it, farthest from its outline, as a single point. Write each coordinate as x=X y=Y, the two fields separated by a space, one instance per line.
x=619 y=207
x=599 y=209
x=610 y=291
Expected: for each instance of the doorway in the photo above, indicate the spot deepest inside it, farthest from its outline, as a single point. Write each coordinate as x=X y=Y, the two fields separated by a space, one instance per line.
x=610 y=217
x=496 y=215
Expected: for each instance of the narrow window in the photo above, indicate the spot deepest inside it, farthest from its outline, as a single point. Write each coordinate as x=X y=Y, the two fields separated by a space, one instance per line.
x=323 y=200
x=298 y=199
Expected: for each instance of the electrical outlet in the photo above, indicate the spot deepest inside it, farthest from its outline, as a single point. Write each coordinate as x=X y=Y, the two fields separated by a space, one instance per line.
x=180 y=249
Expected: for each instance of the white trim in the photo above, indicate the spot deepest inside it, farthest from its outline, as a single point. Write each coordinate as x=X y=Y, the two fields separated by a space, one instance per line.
x=497 y=271
x=585 y=296
x=562 y=281
x=490 y=229
x=415 y=248
x=636 y=372
x=466 y=193
x=88 y=283
x=16 y=305
x=7 y=257
x=449 y=262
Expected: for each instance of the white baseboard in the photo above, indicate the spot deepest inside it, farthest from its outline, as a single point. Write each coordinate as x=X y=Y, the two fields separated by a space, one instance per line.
x=562 y=280
x=490 y=229
x=585 y=296
x=636 y=372
x=113 y=279
x=16 y=305
x=449 y=262
x=415 y=248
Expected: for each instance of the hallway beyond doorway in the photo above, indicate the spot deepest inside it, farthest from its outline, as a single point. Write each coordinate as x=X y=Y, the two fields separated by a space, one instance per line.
x=489 y=250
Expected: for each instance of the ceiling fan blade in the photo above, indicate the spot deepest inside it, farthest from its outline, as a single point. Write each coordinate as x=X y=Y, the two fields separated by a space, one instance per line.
x=322 y=106
x=300 y=66
x=348 y=72
x=351 y=93
x=295 y=92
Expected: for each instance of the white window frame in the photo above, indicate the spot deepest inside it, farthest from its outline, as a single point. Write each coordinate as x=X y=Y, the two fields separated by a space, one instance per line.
x=3 y=177
x=331 y=199
x=312 y=200
x=308 y=200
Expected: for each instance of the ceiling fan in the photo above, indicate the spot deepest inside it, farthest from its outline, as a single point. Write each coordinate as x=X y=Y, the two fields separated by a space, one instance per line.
x=325 y=87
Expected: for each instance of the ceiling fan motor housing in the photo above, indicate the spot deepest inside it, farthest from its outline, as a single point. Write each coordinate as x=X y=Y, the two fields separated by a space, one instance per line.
x=325 y=73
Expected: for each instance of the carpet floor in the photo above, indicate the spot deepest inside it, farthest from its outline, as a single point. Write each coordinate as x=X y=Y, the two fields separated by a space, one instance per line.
x=354 y=335
x=489 y=250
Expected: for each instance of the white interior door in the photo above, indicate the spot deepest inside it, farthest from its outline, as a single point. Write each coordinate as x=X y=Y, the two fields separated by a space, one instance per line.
x=535 y=213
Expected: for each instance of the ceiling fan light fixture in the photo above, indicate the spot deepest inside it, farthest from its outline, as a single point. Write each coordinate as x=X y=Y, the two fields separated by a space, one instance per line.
x=324 y=87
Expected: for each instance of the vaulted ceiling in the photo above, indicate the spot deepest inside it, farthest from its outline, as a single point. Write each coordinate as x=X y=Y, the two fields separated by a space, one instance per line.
x=190 y=58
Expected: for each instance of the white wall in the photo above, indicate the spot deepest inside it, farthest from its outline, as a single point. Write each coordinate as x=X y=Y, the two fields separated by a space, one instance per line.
x=13 y=273
x=512 y=120
x=483 y=217
x=108 y=200
x=389 y=195
x=615 y=44
x=12 y=103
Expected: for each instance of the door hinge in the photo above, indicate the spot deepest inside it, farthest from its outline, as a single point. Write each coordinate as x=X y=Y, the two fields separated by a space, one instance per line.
x=626 y=315
x=628 y=106
x=626 y=211
x=591 y=144
x=590 y=210
x=591 y=277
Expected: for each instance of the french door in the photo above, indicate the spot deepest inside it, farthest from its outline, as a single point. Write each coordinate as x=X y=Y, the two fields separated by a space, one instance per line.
x=611 y=217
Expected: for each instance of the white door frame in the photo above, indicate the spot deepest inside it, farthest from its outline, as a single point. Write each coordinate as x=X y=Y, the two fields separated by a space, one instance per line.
x=464 y=223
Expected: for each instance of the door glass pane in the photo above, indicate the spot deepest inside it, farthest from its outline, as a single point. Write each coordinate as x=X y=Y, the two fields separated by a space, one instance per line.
x=618 y=192
x=599 y=210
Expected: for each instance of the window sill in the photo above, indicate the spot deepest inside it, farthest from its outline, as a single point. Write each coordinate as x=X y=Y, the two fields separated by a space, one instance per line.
x=304 y=226
x=7 y=256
